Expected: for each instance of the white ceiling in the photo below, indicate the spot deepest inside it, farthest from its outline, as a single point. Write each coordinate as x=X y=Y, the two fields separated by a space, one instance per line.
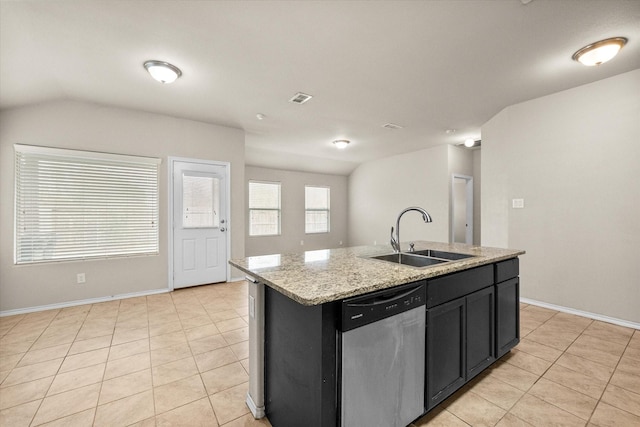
x=425 y=65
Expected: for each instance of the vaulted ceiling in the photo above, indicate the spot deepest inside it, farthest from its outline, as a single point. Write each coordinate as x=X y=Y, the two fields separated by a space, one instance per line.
x=427 y=66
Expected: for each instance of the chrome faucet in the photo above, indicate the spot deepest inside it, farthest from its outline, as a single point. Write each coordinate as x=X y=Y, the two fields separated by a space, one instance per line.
x=395 y=241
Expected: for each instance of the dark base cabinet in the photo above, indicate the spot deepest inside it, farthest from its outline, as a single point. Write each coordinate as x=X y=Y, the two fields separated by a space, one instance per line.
x=460 y=342
x=472 y=319
x=445 y=351
x=480 y=331
x=508 y=316
x=507 y=305
x=300 y=362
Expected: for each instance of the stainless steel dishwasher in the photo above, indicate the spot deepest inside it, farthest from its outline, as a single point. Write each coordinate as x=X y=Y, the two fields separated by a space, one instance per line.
x=383 y=357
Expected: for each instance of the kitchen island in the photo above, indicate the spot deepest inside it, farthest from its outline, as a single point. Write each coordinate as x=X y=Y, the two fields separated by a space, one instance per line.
x=296 y=323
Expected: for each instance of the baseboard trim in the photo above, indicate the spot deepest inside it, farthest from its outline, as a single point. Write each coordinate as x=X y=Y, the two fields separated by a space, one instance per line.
x=257 y=412
x=80 y=302
x=603 y=318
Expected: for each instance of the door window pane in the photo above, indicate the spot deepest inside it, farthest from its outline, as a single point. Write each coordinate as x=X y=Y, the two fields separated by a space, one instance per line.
x=200 y=201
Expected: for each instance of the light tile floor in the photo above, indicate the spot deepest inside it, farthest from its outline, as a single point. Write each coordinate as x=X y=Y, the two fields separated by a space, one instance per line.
x=566 y=371
x=181 y=359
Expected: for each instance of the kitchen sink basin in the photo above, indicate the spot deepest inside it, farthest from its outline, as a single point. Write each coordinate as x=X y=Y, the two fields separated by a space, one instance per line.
x=450 y=256
x=423 y=258
x=410 y=259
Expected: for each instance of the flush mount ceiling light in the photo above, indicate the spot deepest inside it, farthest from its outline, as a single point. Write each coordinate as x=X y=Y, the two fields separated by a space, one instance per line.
x=470 y=143
x=341 y=143
x=599 y=52
x=163 y=71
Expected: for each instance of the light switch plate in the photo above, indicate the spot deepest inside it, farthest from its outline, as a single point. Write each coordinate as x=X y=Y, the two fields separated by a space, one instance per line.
x=517 y=203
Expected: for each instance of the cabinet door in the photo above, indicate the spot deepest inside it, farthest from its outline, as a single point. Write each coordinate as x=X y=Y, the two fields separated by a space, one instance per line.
x=508 y=315
x=445 y=350
x=480 y=330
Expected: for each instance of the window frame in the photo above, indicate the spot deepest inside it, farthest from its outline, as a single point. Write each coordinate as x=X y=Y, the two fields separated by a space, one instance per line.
x=77 y=214
x=327 y=210
x=278 y=209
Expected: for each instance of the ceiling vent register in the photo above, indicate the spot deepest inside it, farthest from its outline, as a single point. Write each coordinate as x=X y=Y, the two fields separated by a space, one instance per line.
x=391 y=126
x=300 y=98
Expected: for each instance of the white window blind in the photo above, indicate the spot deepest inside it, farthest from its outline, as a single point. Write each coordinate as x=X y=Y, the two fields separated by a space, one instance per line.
x=264 y=208
x=73 y=205
x=317 y=209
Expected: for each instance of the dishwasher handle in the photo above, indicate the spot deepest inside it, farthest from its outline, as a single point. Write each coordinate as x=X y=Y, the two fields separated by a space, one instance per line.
x=382 y=299
x=362 y=310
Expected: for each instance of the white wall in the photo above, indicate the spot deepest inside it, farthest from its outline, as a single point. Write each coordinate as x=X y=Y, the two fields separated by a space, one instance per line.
x=92 y=127
x=379 y=190
x=574 y=158
x=292 y=205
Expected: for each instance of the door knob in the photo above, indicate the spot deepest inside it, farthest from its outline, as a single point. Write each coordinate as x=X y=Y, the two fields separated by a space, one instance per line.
x=222 y=229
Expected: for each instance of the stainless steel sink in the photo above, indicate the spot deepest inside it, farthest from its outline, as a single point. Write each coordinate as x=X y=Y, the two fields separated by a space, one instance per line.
x=450 y=256
x=410 y=259
x=422 y=259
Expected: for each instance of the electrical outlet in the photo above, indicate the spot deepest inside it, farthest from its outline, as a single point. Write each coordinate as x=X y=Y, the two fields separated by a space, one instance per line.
x=517 y=203
x=375 y=242
x=340 y=243
x=301 y=242
x=81 y=278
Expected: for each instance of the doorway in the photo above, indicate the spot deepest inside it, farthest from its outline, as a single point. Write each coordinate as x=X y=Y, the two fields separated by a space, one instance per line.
x=462 y=209
x=198 y=222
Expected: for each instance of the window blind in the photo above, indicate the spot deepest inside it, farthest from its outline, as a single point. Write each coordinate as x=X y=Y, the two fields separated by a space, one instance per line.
x=73 y=205
x=264 y=208
x=317 y=207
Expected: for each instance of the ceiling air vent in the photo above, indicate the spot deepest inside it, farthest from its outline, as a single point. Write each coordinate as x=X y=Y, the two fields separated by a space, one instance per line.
x=300 y=98
x=391 y=126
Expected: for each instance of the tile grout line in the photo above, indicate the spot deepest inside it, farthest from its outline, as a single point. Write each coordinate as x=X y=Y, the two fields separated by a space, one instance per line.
x=609 y=381
x=565 y=352
x=59 y=367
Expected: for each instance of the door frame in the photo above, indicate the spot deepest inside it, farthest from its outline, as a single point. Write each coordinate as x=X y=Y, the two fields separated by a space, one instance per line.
x=227 y=210
x=469 y=214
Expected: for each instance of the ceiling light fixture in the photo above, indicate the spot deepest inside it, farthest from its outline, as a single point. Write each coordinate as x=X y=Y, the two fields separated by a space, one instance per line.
x=469 y=142
x=260 y=116
x=163 y=71
x=599 y=52
x=341 y=143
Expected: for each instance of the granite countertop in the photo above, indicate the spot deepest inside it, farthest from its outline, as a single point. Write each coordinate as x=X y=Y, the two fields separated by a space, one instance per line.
x=318 y=277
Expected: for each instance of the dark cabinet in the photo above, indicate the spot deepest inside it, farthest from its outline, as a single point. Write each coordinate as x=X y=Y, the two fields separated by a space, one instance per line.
x=507 y=305
x=480 y=320
x=507 y=315
x=472 y=319
x=460 y=343
x=445 y=350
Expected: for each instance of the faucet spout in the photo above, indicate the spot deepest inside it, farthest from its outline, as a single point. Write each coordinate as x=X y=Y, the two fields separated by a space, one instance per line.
x=395 y=241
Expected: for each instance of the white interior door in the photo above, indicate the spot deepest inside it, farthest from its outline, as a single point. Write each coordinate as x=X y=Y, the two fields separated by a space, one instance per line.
x=199 y=223
x=462 y=209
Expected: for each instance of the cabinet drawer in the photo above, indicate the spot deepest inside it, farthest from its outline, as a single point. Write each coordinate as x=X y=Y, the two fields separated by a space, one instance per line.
x=456 y=285
x=506 y=270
